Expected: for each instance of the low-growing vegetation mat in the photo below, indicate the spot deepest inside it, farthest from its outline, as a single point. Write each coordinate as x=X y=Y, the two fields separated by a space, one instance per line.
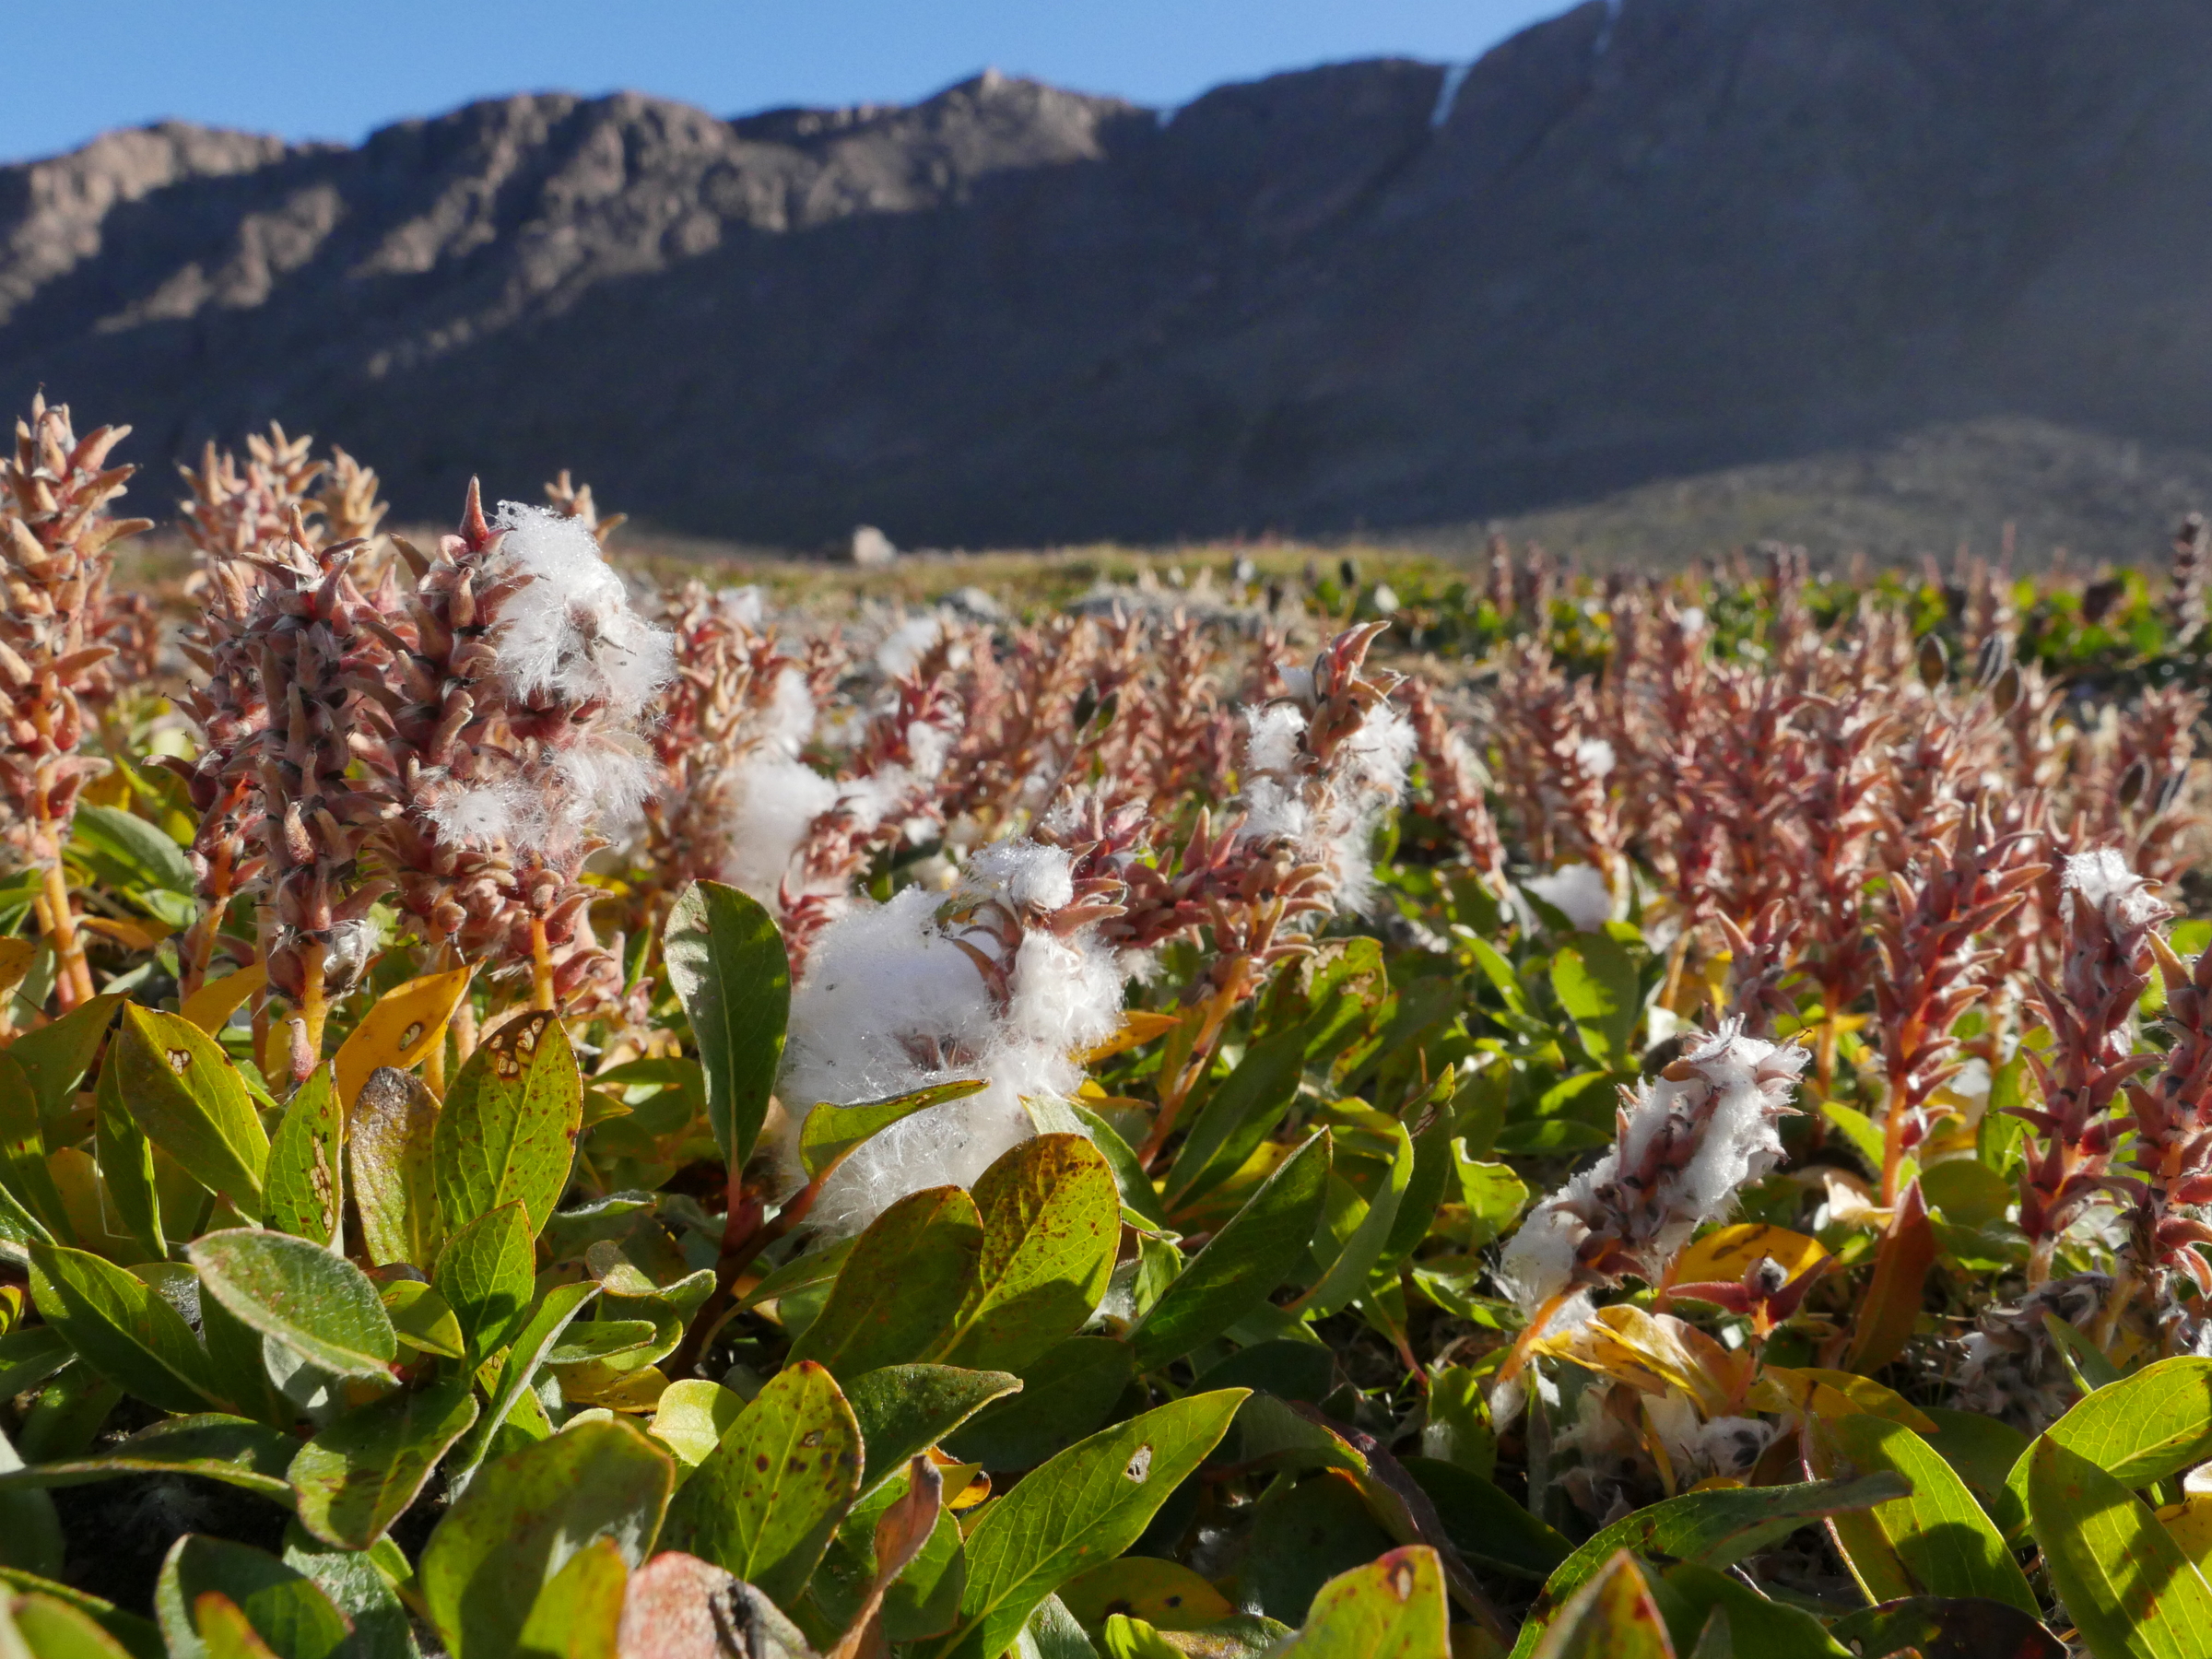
x=1270 y=1111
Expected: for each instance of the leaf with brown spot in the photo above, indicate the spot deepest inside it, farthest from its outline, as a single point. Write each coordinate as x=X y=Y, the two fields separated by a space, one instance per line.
x=1612 y=1616
x=406 y=1022
x=300 y=1193
x=1392 y=1609
x=1086 y=1506
x=363 y=1468
x=389 y=1154
x=1052 y=1223
x=508 y=1125
x=1165 y=1595
x=768 y=1498
x=191 y=1101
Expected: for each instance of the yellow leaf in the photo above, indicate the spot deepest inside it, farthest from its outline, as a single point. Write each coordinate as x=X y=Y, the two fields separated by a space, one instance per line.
x=1725 y=1254
x=130 y=935
x=1654 y=1353
x=1165 y=1595
x=599 y=1384
x=406 y=1022
x=212 y=1005
x=1139 y=1025
x=2191 y=1526
x=1834 y=1394
x=15 y=963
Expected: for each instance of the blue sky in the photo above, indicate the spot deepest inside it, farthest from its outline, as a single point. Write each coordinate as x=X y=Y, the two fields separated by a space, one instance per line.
x=317 y=69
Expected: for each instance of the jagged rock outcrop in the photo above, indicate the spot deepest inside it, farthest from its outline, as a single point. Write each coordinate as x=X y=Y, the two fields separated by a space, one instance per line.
x=1632 y=242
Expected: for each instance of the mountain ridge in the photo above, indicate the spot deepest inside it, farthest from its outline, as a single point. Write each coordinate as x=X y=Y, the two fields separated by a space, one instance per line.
x=1632 y=243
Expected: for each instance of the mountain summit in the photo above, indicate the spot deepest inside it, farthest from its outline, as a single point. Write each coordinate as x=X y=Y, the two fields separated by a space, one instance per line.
x=1636 y=242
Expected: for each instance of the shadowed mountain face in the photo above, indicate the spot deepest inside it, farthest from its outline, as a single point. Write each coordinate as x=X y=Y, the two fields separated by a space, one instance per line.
x=1676 y=237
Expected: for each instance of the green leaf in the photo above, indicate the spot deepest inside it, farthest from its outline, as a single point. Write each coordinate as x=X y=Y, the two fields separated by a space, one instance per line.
x=213 y=1445
x=1697 y=1599
x=487 y=1272
x=907 y=1278
x=283 y=1607
x=1348 y=1274
x=1966 y=1191
x=2126 y=1583
x=1596 y=982
x=1714 y=1529
x=137 y=1637
x=41 y=1626
x=21 y=1228
x=1242 y=1264
x=1610 y=1617
x=766 y=1503
x=1982 y=1451
x=691 y=1416
x=126 y=1166
x=363 y=1469
x=1435 y=1167
x=355 y=1582
x=1935 y=1540
x=29 y=1355
x=1086 y=1506
x=1486 y=1524
x=390 y=1153
x=31 y=1204
x=1052 y=1220
x=1499 y=973
x=508 y=1129
x=726 y=961
x=2087 y=1364
x=317 y=1303
x=513 y=1531
x=1137 y=1190
x=1864 y=1133
x=1303 y=1535
x=301 y=1193
x=549 y=1319
x=576 y=1616
x=30 y=1529
x=1064 y=1395
x=2139 y=1430
x=1238 y=1114
x=1392 y=1609
x=830 y=1132
x=56 y=1057
x=906 y=1409
x=193 y=1104
x=122 y=1328
x=423 y=1319
x=122 y=849
x=598 y=1339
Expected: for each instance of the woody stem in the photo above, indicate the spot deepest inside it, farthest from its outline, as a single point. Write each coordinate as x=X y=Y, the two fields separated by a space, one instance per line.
x=541 y=967
x=313 y=1013
x=72 y=973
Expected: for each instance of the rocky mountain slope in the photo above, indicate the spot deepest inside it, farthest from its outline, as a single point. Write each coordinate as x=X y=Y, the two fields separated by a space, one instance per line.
x=1664 y=237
